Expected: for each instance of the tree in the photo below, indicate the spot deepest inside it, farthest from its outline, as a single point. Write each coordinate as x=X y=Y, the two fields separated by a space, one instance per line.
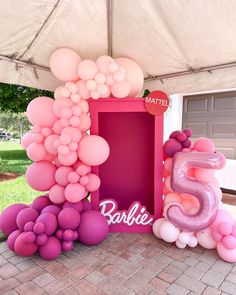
x=15 y=98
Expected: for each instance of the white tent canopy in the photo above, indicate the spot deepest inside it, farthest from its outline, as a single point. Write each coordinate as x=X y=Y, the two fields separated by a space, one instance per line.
x=184 y=46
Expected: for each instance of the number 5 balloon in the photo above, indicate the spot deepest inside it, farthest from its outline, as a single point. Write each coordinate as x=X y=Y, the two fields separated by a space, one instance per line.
x=182 y=183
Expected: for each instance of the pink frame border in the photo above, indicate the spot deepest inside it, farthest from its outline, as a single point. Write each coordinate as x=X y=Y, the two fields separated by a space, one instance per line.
x=131 y=105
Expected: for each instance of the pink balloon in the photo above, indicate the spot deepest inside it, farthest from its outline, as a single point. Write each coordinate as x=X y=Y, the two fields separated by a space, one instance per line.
x=26 y=215
x=83 y=91
x=60 y=92
x=74 y=133
x=56 y=194
x=121 y=89
x=40 y=111
x=172 y=198
x=229 y=242
x=93 y=150
x=85 y=122
x=156 y=226
x=69 y=218
x=61 y=104
x=63 y=64
x=94 y=183
x=36 y=152
x=23 y=249
x=205 y=239
x=26 y=140
x=228 y=255
x=181 y=183
x=75 y=192
x=69 y=159
x=50 y=222
x=12 y=238
x=103 y=62
x=49 y=144
x=78 y=206
x=41 y=175
x=57 y=128
x=61 y=175
x=168 y=165
x=225 y=228
x=204 y=144
x=40 y=202
x=87 y=69
x=73 y=177
x=204 y=175
x=133 y=74
x=168 y=232
x=51 y=249
x=167 y=183
x=84 y=106
x=222 y=216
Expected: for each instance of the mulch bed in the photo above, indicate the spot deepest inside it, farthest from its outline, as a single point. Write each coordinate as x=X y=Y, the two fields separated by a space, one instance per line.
x=8 y=176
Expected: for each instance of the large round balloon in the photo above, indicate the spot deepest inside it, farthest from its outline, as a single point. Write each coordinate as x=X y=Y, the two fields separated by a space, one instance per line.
x=40 y=111
x=69 y=218
x=63 y=64
x=40 y=202
x=133 y=74
x=8 y=218
x=23 y=249
x=93 y=228
x=41 y=175
x=51 y=249
x=12 y=238
x=26 y=215
x=50 y=222
x=93 y=150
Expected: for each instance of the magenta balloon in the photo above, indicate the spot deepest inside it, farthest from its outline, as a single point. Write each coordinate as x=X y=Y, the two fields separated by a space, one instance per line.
x=68 y=235
x=171 y=147
x=41 y=239
x=41 y=202
x=39 y=228
x=51 y=250
x=59 y=234
x=29 y=226
x=67 y=245
x=50 y=222
x=8 y=218
x=29 y=237
x=86 y=205
x=26 y=215
x=93 y=228
x=206 y=196
x=23 y=249
x=12 y=238
x=51 y=209
x=78 y=206
x=68 y=218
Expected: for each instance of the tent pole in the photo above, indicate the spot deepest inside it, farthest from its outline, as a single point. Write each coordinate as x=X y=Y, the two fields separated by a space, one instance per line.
x=109 y=26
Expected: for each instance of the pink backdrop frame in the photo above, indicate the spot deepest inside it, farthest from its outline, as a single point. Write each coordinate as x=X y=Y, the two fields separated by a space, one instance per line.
x=131 y=105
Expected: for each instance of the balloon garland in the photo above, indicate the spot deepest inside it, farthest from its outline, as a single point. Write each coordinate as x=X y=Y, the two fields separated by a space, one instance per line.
x=193 y=211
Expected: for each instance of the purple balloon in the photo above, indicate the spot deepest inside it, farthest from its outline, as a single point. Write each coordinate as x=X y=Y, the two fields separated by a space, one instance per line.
x=12 y=238
x=39 y=228
x=182 y=183
x=86 y=205
x=68 y=235
x=51 y=250
x=41 y=202
x=50 y=222
x=172 y=146
x=8 y=218
x=54 y=209
x=26 y=215
x=29 y=237
x=67 y=245
x=78 y=206
x=29 y=226
x=41 y=239
x=93 y=228
x=23 y=249
x=68 y=218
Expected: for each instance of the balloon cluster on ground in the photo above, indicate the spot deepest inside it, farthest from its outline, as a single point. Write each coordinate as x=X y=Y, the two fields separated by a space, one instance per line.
x=49 y=229
x=219 y=232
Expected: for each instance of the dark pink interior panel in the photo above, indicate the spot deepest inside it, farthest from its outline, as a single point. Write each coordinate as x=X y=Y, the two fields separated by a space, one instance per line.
x=128 y=174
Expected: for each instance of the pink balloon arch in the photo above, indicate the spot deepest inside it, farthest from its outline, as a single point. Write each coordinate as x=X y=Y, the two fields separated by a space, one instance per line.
x=63 y=154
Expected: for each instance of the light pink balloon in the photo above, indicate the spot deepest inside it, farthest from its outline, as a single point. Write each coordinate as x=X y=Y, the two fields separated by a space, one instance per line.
x=61 y=175
x=156 y=226
x=69 y=159
x=41 y=175
x=168 y=165
x=222 y=216
x=205 y=239
x=63 y=64
x=94 y=183
x=57 y=128
x=74 y=121
x=172 y=198
x=204 y=175
x=49 y=157
x=103 y=62
x=83 y=91
x=121 y=89
x=168 y=232
x=61 y=104
x=93 y=150
x=59 y=91
x=167 y=184
x=204 y=144
x=49 y=144
x=133 y=74
x=84 y=106
x=85 y=122
x=74 y=133
x=72 y=87
x=87 y=69
x=56 y=194
x=26 y=140
x=74 y=192
x=36 y=152
x=40 y=111
x=228 y=255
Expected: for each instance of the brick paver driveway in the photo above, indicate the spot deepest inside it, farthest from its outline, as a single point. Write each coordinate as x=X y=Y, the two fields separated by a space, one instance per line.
x=123 y=264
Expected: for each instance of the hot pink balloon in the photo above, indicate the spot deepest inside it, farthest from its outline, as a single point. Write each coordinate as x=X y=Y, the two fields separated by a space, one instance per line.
x=133 y=74
x=12 y=238
x=93 y=150
x=181 y=183
x=40 y=111
x=63 y=64
x=51 y=249
x=26 y=215
x=69 y=218
x=23 y=249
x=50 y=222
x=40 y=202
x=41 y=175
x=204 y=144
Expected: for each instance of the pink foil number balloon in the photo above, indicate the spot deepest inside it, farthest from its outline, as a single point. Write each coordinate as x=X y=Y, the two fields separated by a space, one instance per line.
x=181 y=183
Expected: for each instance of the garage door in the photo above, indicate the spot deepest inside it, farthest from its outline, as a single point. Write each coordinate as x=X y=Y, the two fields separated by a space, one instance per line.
x=213 y=116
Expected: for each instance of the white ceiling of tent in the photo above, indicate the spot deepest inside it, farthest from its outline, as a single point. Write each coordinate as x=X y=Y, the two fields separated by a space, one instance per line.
x=164 y=37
